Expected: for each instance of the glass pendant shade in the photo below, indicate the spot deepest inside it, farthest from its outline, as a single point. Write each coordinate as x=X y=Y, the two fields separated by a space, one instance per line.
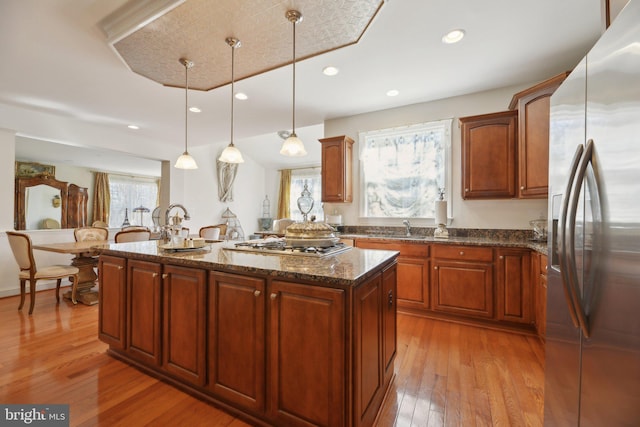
x=293 y=147
x=231 y=154
x=185 y=161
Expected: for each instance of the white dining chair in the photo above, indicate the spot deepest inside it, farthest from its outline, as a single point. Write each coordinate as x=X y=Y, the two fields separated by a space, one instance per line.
x=22 y=249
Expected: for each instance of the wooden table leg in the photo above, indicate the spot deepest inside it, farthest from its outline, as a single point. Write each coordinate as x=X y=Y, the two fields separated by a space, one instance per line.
x=86 y=280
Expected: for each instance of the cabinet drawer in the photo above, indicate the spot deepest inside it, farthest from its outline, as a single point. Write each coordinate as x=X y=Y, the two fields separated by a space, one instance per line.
x=405 y=249
x=463 y=253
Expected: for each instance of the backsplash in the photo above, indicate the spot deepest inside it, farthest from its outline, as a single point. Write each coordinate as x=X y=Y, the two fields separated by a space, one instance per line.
x=499 y=234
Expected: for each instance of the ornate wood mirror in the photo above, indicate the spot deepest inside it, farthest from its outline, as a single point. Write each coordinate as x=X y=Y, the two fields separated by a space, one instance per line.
x=40 y=202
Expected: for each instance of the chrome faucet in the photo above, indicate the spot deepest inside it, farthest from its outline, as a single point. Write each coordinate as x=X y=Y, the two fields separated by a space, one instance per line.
x=407 y=225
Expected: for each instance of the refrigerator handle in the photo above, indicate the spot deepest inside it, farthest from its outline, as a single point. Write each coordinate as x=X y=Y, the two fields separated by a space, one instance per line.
x=562 y=237
x=571 y=258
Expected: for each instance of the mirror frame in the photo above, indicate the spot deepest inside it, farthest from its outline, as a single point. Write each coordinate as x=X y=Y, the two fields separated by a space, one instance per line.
x=20 y=200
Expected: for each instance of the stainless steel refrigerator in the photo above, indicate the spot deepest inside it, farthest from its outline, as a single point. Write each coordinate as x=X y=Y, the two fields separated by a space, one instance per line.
x=592 y=360
x=592 y=369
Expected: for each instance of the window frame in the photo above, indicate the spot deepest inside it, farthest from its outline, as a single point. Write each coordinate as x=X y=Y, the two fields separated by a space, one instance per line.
x=446 y=124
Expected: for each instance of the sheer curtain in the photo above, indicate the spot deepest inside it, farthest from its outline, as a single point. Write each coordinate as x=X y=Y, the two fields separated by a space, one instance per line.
x=128 y=193
x=101 y=198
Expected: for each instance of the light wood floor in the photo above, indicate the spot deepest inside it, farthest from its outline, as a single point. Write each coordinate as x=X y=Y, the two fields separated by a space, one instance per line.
x=447 y=374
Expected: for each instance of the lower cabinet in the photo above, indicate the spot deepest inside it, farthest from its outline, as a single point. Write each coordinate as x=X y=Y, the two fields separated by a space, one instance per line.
x=112 y=298
x=462 y=280
x=236 y=332
x=282 y=352
x=513 y=286
x=540 y=281
x=306 y=333
x=413 y=271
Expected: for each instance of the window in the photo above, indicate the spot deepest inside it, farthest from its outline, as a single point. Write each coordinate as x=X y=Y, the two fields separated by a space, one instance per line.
x=128 y=193
x=404 y=169
x=312 y=178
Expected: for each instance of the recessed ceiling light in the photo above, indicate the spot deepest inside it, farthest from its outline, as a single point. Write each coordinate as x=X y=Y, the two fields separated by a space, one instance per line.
x=195 y=110
x=134 y=127
x=453 y=36
x=241 y=96
x=330 y=71
x=392 y=92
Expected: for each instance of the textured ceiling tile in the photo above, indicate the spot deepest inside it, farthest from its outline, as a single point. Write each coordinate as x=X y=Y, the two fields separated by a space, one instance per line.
x=197 y=30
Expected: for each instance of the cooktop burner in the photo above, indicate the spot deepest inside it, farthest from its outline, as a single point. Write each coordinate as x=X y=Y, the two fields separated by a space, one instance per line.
x=279 y=247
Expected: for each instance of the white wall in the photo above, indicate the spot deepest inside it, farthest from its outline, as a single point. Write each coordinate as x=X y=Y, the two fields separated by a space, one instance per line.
x=505 y=214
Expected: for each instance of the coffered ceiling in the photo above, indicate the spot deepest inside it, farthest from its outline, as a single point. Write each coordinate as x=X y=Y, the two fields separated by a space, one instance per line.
x=197 y=29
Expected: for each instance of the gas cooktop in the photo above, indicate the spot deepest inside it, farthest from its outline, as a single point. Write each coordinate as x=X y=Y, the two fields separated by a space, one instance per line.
x=279 y=247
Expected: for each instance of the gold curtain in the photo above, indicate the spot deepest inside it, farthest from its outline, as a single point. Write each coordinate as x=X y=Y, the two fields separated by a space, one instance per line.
x=101 y=198
x=284 y=197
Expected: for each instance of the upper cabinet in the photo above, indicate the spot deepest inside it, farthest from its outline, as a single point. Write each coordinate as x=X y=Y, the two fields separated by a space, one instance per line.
x=337 y=169
x=489 y=155
x=532 y=105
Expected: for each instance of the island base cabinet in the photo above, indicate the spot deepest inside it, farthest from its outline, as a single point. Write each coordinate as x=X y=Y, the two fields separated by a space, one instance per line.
x=306 y=355
x=513 y=286
x=113 y=281
x=184 y=323
x=236 y=333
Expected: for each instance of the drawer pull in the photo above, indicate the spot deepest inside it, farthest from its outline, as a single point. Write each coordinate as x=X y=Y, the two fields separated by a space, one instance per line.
x=273 y=295
x=120 y=267
x=522 y=187
x=461 y=252
x=155 y=275
x=165 y=275
x=435 y=268
x=466 y=190
x=501 y=257
x=256 y=293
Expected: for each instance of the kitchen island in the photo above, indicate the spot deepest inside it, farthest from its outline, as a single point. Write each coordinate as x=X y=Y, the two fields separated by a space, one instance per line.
x=293 y=340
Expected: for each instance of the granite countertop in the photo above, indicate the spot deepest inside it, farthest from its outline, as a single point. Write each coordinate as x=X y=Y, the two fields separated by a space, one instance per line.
x=347 y=268
x=499 y=238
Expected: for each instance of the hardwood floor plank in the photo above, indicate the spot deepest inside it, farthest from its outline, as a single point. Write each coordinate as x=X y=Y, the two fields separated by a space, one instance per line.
x=447 y=374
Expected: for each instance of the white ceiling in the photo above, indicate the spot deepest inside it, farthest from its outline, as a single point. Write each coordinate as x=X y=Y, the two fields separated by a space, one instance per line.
x=56 y=59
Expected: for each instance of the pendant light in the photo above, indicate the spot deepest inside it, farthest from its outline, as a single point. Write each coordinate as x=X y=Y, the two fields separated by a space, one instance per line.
x=231 y=154
x=293 y=146
x=185 y=161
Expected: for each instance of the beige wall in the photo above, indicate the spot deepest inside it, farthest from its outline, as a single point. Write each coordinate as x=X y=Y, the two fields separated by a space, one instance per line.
x=509 y=214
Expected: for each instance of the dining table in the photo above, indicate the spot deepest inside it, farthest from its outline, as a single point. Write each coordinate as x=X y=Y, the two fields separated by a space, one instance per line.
x=84 y=258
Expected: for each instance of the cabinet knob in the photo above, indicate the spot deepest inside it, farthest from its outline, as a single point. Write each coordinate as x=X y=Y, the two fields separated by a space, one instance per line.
x=501 y=257
x=120 y=267
x=273 y=295
x=155 y=275
x=461 y=252
x=390 y=298
x=435 y=268
x=165 y=275
x=522 y=187
x=466 y=190
x=256 y=293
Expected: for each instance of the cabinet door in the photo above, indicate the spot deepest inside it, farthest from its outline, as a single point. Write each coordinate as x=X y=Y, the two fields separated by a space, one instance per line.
x=237 y=339
x=463 y=288
x=143 y=311
x=533 y=137
x=541 y=296
x=112 y=299
x=489 y=155
x=337 y=174
x=389 y=328
x=513 y=286
x=184 y=323
x=368 y=336
x=306 y=355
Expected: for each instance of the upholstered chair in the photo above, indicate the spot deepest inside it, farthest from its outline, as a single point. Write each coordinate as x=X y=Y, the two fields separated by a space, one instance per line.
x=132 y=236
x=22 y=249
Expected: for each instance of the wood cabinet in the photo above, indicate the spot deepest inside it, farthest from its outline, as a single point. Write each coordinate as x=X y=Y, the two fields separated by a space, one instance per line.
x=144 y=327
x=462 y=280
x=236 y=333
x=337 y=169
x=513 y=286
x=489 y=155
x=540 y=279
x=184 y=316
x=532 y=105
x=306 y=354
x=112 y=298
x=389 y=319
x=77 y=206
x=413 y=270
